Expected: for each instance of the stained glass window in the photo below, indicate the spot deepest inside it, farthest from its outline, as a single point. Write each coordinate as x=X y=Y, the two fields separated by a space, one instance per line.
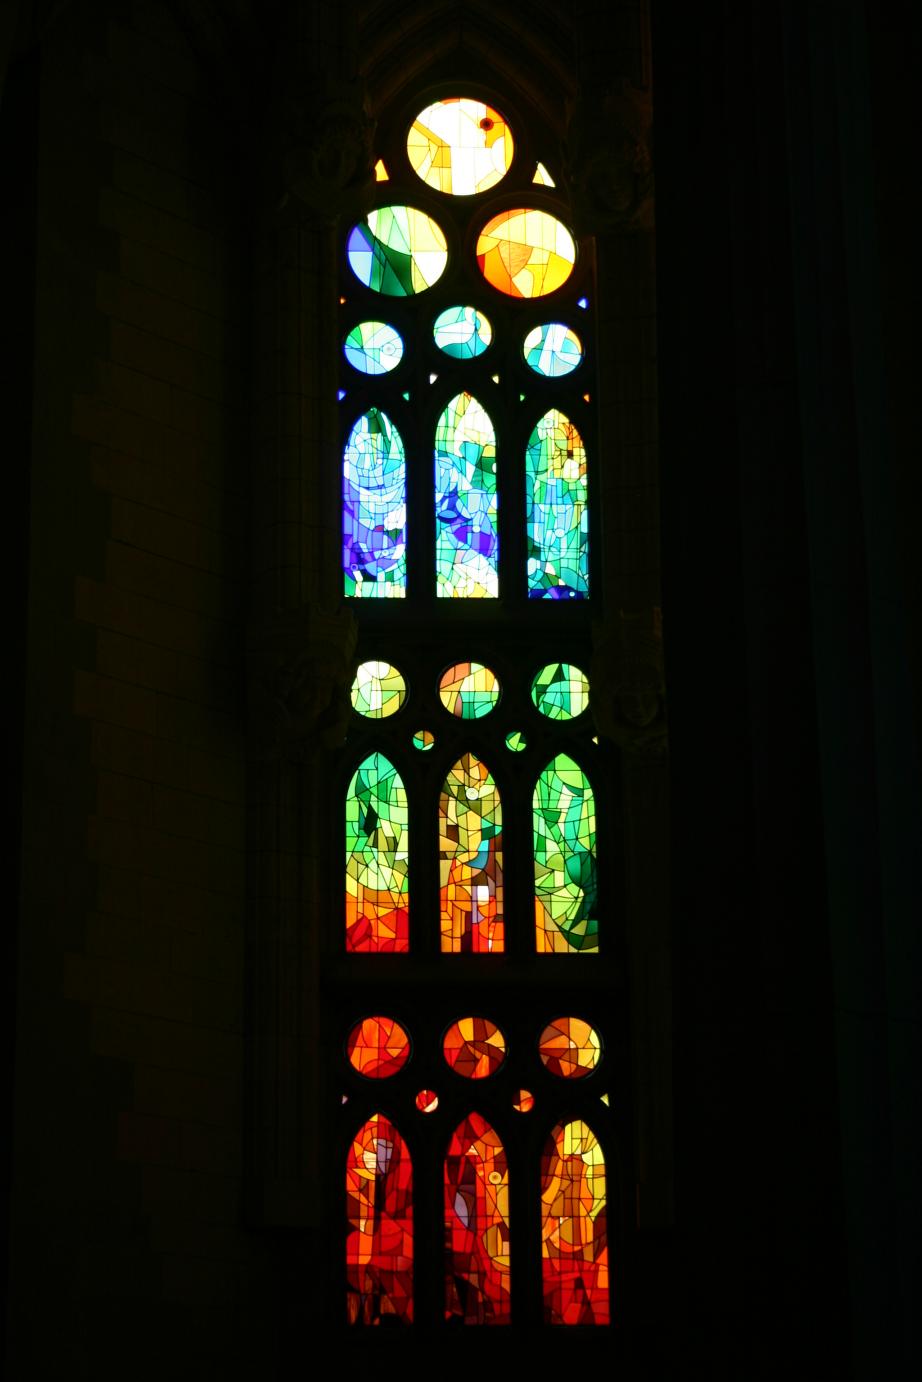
x=570 y=1048
x=460 y=146
x=379 y=1226
x=378 y=690
x=477 y=1289
x=526 y=253
x=373 y=348
x=462 y=332
x=558 y=513
x=374 y=508
x=552 y=350
x=565 y=864
x=471 y=860
x=398 y=251
x=467 y=540
x=469 y=690
x=574 y=1244
x=560 y=691
x=377 y=1047
x=474 y=1047
x=377 y=888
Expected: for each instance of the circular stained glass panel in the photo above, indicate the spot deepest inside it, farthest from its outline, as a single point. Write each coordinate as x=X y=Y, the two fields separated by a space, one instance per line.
x=397 y=250
x=469 y=690
x=474 y=1047
x=460 y=146
x=552 y=350
x=523 y=1101
x=462 y=332
x=373 y=347
x=378 y=691
x=560 y=691
x=423 y=740
x=377 y=1047
x=525 y=253
x=427 y=1101
x=570 y=1048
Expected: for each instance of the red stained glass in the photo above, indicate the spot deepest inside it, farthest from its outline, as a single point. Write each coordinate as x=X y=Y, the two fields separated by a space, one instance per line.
x=471 y=860
x=378 y=1047
x=570 y=1048
x=474 y=1047
x=379 y=1226
x=476 y=1226
x=574 y=1249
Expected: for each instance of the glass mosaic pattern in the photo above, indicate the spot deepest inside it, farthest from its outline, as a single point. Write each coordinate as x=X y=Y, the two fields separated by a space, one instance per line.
x=397 y=250
x=574 y=1239
x=525 y=253
x=470 y=860
x=379 y=1226
x=560 y=691
x=476 y=1226
x=378 y=690
x=523 y=1101
x=557 y=510
x=462 y=332
x=427 y=1101
x=377 y=1047
x=570 y=1048
x=466 y=542
x=516 y=741
x=552 y=350
x=565 y=863
x=474 y=1047
x=374 y=509
x=377 y=890
x=460 y=146
x=373 y=348
x=423 y=739
x=468 y=690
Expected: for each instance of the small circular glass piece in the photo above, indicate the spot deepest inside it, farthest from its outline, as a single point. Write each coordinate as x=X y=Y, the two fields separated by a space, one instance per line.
x=378 y=691
x=427 y=1101
x=523 y=1101
x=516 y=741
x=560 y=691
x=570 y=1048
x=468 y=690
x=462 y=332
x=525 y=253
x=373 y=347
x=377 y=1047
x=460 y=146
x=397 y=250
x=423 y=739
x=474 y=1047
x=552 y=350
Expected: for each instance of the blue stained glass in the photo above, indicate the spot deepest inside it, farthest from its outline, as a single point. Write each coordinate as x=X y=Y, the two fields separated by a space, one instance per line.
x=462 y=332
x=557 y=511
x=467 y=543
x=373 y=347
x=374 y=509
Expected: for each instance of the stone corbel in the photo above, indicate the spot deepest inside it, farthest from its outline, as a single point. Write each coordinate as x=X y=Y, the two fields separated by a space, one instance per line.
x=609 y=160
x=327 y=161
x=299 y=675
x=628 y=688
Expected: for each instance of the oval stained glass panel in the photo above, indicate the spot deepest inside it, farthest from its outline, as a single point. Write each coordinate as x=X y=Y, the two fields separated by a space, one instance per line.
x=374 y=509
x=570 y=1048
x=525 y=253
x=560 y=691
x=378 y=691
x=468 y=690
x=377 y=1047
x=462 y=332
x=474 y=1047
x=397 y=250
x=460 y=146
x=373 y=348
x=552 y=350
x=566 y=890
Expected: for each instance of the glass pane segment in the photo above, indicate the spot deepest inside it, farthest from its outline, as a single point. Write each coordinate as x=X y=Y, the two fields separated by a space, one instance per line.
x=377 y=1047
x=460 y=146
x=560 y=691
x=423 y=740
x=378 y=691
x=523 y=1101
x=525 y=253
x=379 y=1226
x=552 y=350
x=565 y=865
x=373 y=347
x=574 y=1246
x=470 y=860
x=474 y=1047
x=469 y=690
x=476 y=1226
x=374 y=509
x=427 y=1101
x=516 y=741
x=377 y=891
x=557 y=510
x=397 y=250
x=466 y=542
x=462 y=332
x=570 y=1048
x=542 y=177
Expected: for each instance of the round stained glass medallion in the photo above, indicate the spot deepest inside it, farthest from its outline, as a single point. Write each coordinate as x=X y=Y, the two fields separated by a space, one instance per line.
x=552 y=350
x=423 y=739
x=427 y=1101
x=378 y=691
x=469 y=690
x=377 y=1047
x=460 y=146
x=525 y=253
x=474 y=1047
x=373 y=348
x=397 y=250
x=560 y=691
x=523 y=1101
x=570 y=1048
x=462 y=332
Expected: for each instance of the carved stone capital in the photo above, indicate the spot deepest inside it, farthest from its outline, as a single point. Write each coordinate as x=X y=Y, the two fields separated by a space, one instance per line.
x=327 y=155
x=628 y=688
x=299 y=675
x=610 y=161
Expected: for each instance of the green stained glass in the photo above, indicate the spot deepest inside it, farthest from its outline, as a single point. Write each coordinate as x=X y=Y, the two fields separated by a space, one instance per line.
x=423 y=739
x=516 y=741
x=471 y=860
x=552 y=350
x=560 y=691
x=378 y=691
x=468 y=690
x=462 y=332
x=373 y=347
x=374 y=509
x=397 y=250
x=557 y=510
x=377 y=888
x=467 y=543
x=565 y=863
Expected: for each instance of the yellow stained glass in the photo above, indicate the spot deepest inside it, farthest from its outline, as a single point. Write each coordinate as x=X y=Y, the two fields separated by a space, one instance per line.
x=460 y=146
x=525 y=253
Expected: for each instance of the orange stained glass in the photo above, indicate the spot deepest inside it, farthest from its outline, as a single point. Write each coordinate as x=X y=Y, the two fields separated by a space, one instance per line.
x=460 y=146
x=525 y=253
x=427 y=1101
x=377 y=1047
x=377 y=891
x=476 y=1226
x=574 y=1248
x=474 y=1047
x=470 y=860
x=379 y=1226
x=523 y=1101
x=570 y=1048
